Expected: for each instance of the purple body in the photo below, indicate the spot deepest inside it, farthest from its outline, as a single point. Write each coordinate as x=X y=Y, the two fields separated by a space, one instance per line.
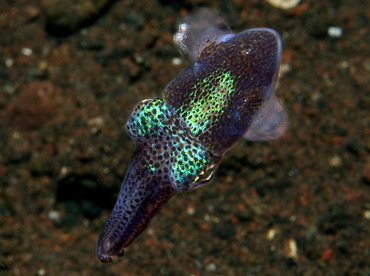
x=226 y=93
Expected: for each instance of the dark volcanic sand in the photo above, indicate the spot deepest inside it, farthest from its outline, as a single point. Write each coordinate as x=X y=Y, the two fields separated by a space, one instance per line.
x=64 y=151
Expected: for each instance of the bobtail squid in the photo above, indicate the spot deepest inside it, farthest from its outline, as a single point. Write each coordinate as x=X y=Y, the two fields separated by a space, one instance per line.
x=227 y=92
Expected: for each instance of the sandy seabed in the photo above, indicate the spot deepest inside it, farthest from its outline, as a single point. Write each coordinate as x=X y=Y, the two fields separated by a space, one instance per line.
x=70 y=75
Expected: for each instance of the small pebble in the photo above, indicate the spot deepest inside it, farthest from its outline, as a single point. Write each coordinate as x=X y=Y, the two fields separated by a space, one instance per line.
x=211 y=267
x=41 y=272
x=191 y=210
x=176 y=61
x=292 y=246
x=271 y=234
x=54 y=215
x=96 y=122
x=283 y=4
x=335 y=32
x=8 y=62
x=335 y=161
x=367 y=215
x=63 y=171
x=27 y=51
x=17 y=136
x=344 y=64
x=284 y=68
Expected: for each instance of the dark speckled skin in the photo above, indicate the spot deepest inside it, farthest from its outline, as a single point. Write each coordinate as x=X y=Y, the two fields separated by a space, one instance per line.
x=136 y=201
x=225 y=94
x=251 y=58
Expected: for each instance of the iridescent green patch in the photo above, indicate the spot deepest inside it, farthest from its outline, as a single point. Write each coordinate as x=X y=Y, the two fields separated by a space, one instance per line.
x=207 y=107
x=169 y=147
x=148 y=117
